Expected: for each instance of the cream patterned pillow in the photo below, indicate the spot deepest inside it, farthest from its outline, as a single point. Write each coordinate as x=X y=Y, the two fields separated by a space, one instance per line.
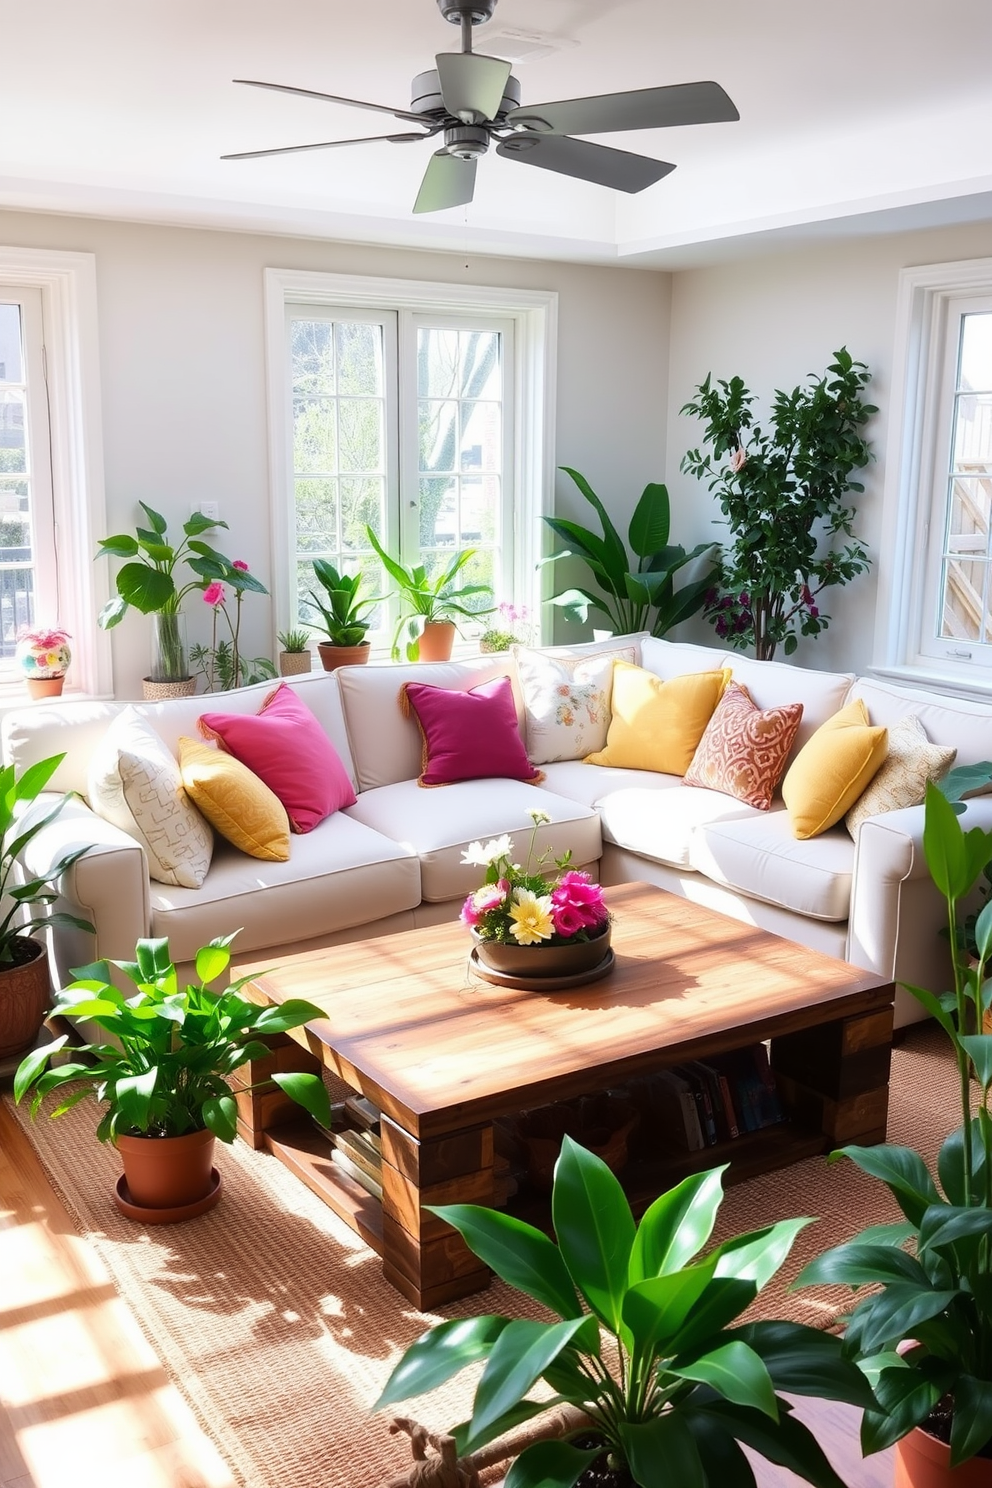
x=566 y=702
x=134 y=782
x=911 y=763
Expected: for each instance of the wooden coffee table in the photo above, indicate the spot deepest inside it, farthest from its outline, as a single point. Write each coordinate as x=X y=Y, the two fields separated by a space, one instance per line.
x=443 y=1054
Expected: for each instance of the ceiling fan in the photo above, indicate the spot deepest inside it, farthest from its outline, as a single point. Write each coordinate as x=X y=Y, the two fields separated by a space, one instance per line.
x=473 y=100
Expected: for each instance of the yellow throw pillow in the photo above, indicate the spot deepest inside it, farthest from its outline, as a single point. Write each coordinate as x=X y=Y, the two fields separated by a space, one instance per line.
x=656 y=725
x=239 y=805
x=832 y=769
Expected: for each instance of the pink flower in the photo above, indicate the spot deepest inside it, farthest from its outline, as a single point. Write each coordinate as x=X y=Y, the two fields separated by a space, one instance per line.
x=490 y=896
x=738 y=459
x=240 y=564
x=214 y=593
x=577 y=903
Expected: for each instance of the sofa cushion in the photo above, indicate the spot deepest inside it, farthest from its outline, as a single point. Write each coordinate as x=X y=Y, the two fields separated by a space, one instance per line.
x=661 y=825
x=669 y=659
x=656 y=725
x=566 y=701
x=469 y=735
x=832 y=769
x=760 y=858
x=590 y=783
x=135 y=783
x=439 y=825
x=910 y=765
x=285 y=746
x=744 y=748
x=952 y=721
x=239 y=805
x=339 y=875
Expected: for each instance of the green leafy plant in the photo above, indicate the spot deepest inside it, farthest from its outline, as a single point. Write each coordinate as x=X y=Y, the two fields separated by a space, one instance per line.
x=222 y=664
x=632 y=598
x=938 y=1293
x=783 y=495
x=424 y=600
x=340 y=608
x=19 y=826
x=686 y=1382
x=174 y=1047
x=294 y=641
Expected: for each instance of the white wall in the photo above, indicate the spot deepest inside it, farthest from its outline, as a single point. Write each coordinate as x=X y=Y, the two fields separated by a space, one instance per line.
x=181 y=343
x=772 y=320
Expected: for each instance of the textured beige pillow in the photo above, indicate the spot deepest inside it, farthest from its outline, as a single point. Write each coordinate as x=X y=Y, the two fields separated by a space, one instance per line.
x=912 y=762
x=134 y=782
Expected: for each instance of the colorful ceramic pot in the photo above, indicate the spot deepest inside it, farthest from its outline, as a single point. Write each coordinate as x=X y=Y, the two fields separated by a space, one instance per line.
x=41 y=662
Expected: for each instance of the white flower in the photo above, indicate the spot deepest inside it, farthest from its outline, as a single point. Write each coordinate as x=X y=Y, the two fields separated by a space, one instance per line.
x=539 y=818
x=474 y=854
x=495 y=848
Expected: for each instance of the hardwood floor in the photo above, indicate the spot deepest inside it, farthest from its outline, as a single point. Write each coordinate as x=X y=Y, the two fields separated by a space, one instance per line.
x=83 y=1398
x=85 y=1402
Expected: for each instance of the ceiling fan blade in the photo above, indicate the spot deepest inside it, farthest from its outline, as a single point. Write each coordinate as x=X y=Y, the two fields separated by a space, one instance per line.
x=588 y=162
x=471 y=84
x=644 y=108
x=448 y=182
x=377 y=108
x=368 y=139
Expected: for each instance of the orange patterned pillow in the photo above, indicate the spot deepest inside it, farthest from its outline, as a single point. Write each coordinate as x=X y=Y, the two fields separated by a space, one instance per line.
x=744 y=748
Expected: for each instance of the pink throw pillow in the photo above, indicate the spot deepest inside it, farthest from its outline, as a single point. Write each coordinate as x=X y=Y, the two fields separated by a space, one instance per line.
x=469 y=735
x=284 y=745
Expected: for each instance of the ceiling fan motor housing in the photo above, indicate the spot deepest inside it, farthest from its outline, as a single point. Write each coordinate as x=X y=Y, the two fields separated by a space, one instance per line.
x=475 y=11
x=426 y=95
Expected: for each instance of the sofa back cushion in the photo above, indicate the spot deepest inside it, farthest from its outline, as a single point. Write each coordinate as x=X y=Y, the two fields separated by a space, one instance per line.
x=669 y=659
x=74 y=729
x=951 y=721
x=773 y=683
x=386 y=746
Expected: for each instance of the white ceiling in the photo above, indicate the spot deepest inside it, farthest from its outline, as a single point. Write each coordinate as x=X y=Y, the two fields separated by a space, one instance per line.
x=123 y=107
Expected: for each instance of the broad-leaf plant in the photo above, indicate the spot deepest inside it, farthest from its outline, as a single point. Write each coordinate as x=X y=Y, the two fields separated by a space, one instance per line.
x=166 y=1073
x=341 y=610
x=925 y=1331
x=425 y=600
x=635 y=592
x=647 y=1339
x=26 y=897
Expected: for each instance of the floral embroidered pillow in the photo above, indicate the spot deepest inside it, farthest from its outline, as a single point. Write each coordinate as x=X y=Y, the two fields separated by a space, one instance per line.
x=566 y=702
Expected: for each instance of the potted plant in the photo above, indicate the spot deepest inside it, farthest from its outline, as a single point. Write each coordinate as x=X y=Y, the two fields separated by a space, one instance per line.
x=25 y=985
x=341 y=616
x=148 y=582
x=783 y=494
x=223 y=665
x=430 y=607
x=682 y=1382
x=294 y=658
x=510 y=627
x=924 y=1334
x=163 y=1075
x=633 y=597
x=43 y=656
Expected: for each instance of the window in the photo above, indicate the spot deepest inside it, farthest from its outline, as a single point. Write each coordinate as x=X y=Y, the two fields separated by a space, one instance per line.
x=51 y=475
x=422 y=411
x=936 y=574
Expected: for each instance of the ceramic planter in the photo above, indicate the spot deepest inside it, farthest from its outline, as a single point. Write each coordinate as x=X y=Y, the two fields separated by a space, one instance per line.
x=25 y=997
x=42 y=687
x=332 y=657
x=170 y=1177
x=537 y=961
x=436 y=641
x=924 y=1462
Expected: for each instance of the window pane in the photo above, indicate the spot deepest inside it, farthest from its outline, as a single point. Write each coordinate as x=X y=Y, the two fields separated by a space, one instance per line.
x=975 y=362
x=438 y=363
x=312 y=356
x=314 y=437
x=362 y=503
x=969 y=522
x=482 y=437
x=438 y=435
x=316 y=516
x=360 y=426
x=13 y=454
x=359 y=358
x=973 y=430
x=11 y=360
x=965 y=616
x=480 y=364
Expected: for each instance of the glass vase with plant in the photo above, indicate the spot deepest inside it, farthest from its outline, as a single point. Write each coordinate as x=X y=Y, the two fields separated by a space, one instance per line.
x=426 y=600
x=632 y=596
x=783 y=491
x=222 y=664
x=923 y=1334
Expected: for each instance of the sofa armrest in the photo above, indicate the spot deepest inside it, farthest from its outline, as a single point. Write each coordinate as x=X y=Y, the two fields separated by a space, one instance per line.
x=897 y=914
x=107 y=886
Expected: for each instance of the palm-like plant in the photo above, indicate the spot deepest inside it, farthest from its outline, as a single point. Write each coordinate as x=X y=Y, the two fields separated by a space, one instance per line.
x=685 y=1384
x=425 y=600
x=340 y=609
x=633 y=597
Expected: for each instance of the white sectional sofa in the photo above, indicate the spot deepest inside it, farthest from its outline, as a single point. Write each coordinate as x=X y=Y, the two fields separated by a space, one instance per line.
x=393 y=860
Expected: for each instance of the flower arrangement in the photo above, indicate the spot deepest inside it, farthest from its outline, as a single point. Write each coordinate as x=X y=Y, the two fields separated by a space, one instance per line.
x=530 y=905
x=510 y=625
x=221 y=663
x=43 y=651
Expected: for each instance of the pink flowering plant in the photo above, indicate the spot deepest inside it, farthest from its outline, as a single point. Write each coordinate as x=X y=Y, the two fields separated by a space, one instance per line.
x=543 y=903
x=221 y=664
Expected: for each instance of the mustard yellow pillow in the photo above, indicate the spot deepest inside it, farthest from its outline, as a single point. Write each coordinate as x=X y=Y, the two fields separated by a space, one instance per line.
x=832 y=769
x=656 y=725
x=239 y=805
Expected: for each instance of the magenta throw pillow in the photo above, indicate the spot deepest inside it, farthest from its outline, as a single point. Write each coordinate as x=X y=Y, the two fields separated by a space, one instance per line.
x=284 y=745
x=469 y=735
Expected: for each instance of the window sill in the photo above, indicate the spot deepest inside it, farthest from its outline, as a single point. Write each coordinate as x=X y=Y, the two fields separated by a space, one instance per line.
x=952 y=684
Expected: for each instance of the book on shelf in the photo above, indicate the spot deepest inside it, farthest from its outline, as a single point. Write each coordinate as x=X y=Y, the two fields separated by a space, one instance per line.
x=699 y=1086
x=363 y=1111
x=364 y=1148
x=677 y=1115
x=347 y=1165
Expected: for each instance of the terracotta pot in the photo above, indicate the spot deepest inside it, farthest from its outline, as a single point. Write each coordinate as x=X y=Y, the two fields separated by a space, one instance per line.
x=332 y=657
x=294 y=663
x=537 y=961
x=42 y=687
x=25 y=997
x=168 y=1172
x=436 y=641
x=924 y=1462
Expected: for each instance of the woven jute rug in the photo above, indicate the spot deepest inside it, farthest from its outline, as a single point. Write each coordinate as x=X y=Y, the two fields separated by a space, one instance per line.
x=276 y=1324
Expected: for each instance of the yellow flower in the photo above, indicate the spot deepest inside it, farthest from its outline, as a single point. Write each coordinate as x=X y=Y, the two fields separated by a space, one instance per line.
x=531 y=916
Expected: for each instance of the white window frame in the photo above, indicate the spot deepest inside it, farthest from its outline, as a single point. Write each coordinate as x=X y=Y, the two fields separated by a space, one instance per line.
x=67 y=282
x=534 y=314
x=931 y=299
